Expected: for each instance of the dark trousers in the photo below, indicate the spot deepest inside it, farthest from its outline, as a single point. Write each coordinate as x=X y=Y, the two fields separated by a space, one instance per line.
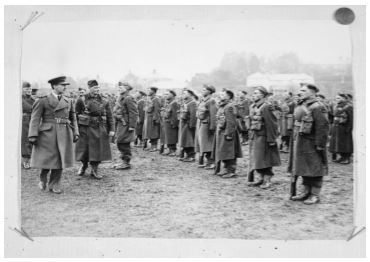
x=245 y=135
x=172 y=147
x=312 y=181
x=189 y=151
x=230 y=165
x=154 y=142
x=125 y=150
x=265 y=171
x=55 y=176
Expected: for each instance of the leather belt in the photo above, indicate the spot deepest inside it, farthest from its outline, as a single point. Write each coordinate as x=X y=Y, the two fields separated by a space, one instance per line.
x=57 y=120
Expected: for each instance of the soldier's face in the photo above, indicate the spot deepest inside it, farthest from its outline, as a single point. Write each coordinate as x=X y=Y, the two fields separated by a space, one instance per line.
x=94 y=90
x=339 y=99
x=27 y=91
x=60 y=89
x=257 y=95
x=305 y=93
x=205 y=92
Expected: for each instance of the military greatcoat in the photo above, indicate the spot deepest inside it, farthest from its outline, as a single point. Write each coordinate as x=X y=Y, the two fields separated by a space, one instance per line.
x=171 y=122
x=151 y=129
x=188 y=122
x=26 y=147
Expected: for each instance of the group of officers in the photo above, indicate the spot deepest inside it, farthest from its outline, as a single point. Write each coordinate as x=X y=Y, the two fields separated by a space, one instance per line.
x=182 y=125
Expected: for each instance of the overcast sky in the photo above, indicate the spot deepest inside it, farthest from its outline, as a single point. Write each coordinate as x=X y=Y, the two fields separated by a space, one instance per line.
x=175 y=48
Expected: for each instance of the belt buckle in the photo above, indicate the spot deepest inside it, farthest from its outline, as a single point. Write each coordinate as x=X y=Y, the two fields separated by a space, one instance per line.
x=57 y=120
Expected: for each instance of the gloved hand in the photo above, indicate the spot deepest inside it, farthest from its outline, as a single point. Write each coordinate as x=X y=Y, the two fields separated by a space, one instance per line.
x=229 y=138
x=111 y=133
x=33 y=140
x=131 y=129
x=272 y=144
x=75 y=138
x=319 y=148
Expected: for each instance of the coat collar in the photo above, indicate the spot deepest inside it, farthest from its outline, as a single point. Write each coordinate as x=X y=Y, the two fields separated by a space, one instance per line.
x=56 y=104
x=259 y=103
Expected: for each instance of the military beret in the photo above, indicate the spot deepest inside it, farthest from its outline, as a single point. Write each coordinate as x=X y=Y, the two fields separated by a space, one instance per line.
x=321 y=95
x=173 y=92
x=61 y=80
x=230 y=93
x=142 y=93
x=211 y=88
x=26 y=84
x=126 y=85
x=92 y=83
x=311 y=86
x=154 y=89
x=263 y=90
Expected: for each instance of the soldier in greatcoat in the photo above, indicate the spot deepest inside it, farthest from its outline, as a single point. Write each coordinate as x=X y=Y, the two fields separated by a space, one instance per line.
x=341 y=141
x=308 y=148
x=188 y=122
x=171 y=123
x=243 y=105
x=263 y=149
x=126 y=115
x=96 y=126
x=151 y=128
x=226 y=145
x=27 y=103
x=206 y=126
x=53 y=130
x=286 y=122
x=140 y=98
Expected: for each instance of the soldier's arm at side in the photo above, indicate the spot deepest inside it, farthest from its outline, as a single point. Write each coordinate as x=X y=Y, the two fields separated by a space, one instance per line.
x=174 y=119
x=271 y=124
x=230 y=117
x=156 y=110
x=73 y=119
x=37 y=111
x=349 y=112
x=110 y=119
x=193 y=115
x=321 y=126
x=212 y=115
x=133 y=112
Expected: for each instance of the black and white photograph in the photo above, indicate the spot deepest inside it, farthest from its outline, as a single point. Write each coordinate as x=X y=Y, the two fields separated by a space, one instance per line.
x=185 y=123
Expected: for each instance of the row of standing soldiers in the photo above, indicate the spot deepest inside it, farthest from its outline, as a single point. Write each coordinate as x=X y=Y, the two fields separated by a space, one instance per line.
x=201 y=125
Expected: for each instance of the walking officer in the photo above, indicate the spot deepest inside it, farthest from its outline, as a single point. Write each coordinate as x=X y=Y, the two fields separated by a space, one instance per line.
x=151 y=129
x=27 y=103
x=96 y=126
x=263 y=149
x=227 y=146
x=308 y=158
x=53 y=130
x=126 y=115
x=206 y=125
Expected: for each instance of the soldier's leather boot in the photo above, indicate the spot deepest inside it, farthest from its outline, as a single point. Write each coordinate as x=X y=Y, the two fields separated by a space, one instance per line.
x=210 y=166
x=124 y=165
x=161 y=150
x=258 y=180
x=229 y=175
x=82 y=169
x=303 y=196
x=201 y=161
x=153 y=148
x=145 y=145
x=189 y=159
x=94 y=172
x=314 y=197
x=266 y=182
x=172 y=152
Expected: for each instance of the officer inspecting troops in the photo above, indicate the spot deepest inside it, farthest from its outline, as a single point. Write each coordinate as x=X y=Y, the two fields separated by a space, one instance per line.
x=263 y=149
x=53 y=130
x=188 y=122
x=206 y=125
x=226 y=146
x=308 y=150
x=126 y=115
x=171 y=123
x=151 y=128
x=27 y=103
x=96 y=126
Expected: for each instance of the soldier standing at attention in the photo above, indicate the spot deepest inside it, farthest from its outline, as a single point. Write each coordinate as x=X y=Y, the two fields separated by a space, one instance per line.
x=141 y=96
x=188 y=123
x=263 y=149
x=96 y=126
x=227 y=146
x=341 y=141
x=126 y=115
x=27 y=103
x=243 y=116
x=309 y=147
x=171 y=123
x=206 y=125
x=53 y=130
x=151 y=130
